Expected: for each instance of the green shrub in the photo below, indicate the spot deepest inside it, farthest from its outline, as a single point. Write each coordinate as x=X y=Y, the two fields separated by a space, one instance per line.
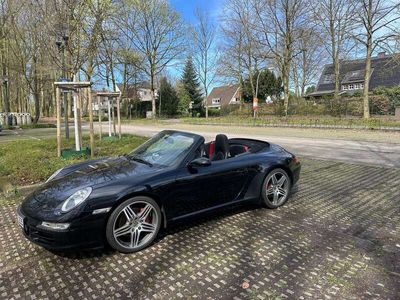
x=229 y=108
x=393 y=97
x=213 y=112
x=38 y=125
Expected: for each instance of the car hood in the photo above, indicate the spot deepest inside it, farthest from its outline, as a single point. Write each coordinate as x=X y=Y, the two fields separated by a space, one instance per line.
x=49 y=197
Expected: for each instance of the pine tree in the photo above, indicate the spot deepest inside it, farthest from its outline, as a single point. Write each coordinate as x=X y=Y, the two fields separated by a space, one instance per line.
x=169 y=98
x=268 y=85
x=192 y=86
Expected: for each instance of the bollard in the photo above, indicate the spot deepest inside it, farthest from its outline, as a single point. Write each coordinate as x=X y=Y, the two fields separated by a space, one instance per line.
x=18 y=118
x=23 y=119
x=13 y=120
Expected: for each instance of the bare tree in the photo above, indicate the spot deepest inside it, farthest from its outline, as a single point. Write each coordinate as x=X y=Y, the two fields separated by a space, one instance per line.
x=377 y=19
x=205 y=54
x=334 y=20
x=242 y=51
x=280 y=23
x=5 y=14
x=155 y=32
x=307 y=65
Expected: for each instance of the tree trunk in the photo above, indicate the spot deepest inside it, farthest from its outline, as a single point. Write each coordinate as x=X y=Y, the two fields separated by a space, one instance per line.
x=285 y=80
x=36 y=93
x=366 y=77
x=36 y=98
x=153 y=96
x=4 y=73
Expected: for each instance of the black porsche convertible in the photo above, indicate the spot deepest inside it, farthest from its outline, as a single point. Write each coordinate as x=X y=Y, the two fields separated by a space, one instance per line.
x=125 y=200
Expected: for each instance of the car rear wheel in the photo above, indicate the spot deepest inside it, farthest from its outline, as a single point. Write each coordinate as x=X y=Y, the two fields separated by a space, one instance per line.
x=134 y=224
x=276 y=188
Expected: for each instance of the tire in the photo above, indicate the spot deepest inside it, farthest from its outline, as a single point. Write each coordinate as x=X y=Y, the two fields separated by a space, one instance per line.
x=134 y=224
x=276 y=188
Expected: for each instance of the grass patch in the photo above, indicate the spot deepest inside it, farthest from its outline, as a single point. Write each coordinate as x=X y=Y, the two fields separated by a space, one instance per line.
x=32 y=161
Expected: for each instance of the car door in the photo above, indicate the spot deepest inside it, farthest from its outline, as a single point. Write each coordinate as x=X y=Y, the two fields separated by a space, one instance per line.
x=205 y=187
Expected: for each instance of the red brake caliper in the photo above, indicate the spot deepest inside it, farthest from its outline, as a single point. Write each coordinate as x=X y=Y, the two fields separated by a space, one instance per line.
x=148 y=218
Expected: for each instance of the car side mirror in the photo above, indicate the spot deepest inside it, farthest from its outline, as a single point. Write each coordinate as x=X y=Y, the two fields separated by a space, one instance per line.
x=199 y=162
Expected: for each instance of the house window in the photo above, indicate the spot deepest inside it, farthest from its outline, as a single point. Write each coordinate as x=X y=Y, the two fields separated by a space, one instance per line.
x=351 y=86
x=216 y=100
x=344 y=87
x=356 y=86
x=361 y=85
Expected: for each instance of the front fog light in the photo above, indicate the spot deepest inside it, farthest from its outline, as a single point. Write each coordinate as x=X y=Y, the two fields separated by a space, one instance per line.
x=55 y=226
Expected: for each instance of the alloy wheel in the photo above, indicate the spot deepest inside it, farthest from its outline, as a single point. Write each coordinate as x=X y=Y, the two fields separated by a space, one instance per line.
x=277 y=188
x=135 y=225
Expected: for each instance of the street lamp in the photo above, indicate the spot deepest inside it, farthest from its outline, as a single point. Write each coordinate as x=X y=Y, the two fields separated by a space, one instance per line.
x=62 y=44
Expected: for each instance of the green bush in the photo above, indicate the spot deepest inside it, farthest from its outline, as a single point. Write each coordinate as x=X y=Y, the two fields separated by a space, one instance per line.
x=38 y=125
x=214 y=112
x=228 y=109
x=392 y=95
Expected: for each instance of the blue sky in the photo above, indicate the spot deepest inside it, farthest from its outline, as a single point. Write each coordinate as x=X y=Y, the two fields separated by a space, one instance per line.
x=187 y=7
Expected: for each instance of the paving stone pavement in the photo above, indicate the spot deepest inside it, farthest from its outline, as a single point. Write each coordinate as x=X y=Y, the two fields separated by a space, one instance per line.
x=338 y=237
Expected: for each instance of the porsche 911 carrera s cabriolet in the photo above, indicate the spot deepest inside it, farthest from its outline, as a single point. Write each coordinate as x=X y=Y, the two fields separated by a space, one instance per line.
x=125 y=200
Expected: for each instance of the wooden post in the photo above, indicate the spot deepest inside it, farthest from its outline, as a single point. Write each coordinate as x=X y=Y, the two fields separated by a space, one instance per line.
x=113 y=116
x=100 y=125
x=119 y=116
x=109 y=116
x=58 y=107
x=80 y=118
x=90 y=121
x=76 y=125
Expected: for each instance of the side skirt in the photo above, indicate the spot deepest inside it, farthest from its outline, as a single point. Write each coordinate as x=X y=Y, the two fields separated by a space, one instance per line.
x=206 y=210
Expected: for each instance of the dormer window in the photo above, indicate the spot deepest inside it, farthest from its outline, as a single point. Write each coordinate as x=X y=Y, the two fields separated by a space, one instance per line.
x=352 y=86
x=216 y=100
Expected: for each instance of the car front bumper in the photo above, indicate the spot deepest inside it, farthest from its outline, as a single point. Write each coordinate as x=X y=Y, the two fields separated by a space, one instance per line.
x=87 y=233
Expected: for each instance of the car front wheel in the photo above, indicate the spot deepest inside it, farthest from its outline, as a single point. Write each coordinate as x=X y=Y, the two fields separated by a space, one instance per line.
x=134 y=224
x=276 y=188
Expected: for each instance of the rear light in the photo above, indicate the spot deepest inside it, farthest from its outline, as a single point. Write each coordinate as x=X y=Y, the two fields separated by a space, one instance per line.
x=296 y=160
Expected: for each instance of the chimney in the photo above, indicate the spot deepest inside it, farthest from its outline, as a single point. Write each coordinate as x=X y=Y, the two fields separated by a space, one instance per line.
x=381 y=55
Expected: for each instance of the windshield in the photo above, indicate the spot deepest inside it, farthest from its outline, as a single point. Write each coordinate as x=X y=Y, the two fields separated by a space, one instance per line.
x=164 y=149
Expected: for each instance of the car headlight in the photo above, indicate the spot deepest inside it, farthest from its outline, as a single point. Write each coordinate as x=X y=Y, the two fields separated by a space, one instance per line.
x=75 y=199
x=54 y=175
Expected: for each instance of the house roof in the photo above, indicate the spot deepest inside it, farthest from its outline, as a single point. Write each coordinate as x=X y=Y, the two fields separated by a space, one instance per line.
x=385 y=71
x=131 y=89
x=225 y=93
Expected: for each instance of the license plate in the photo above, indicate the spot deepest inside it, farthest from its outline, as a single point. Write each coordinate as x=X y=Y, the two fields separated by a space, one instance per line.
x=20 y=220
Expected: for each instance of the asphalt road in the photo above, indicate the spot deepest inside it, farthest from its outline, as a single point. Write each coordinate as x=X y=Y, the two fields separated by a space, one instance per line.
x=346 y=150
x=362 y=152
